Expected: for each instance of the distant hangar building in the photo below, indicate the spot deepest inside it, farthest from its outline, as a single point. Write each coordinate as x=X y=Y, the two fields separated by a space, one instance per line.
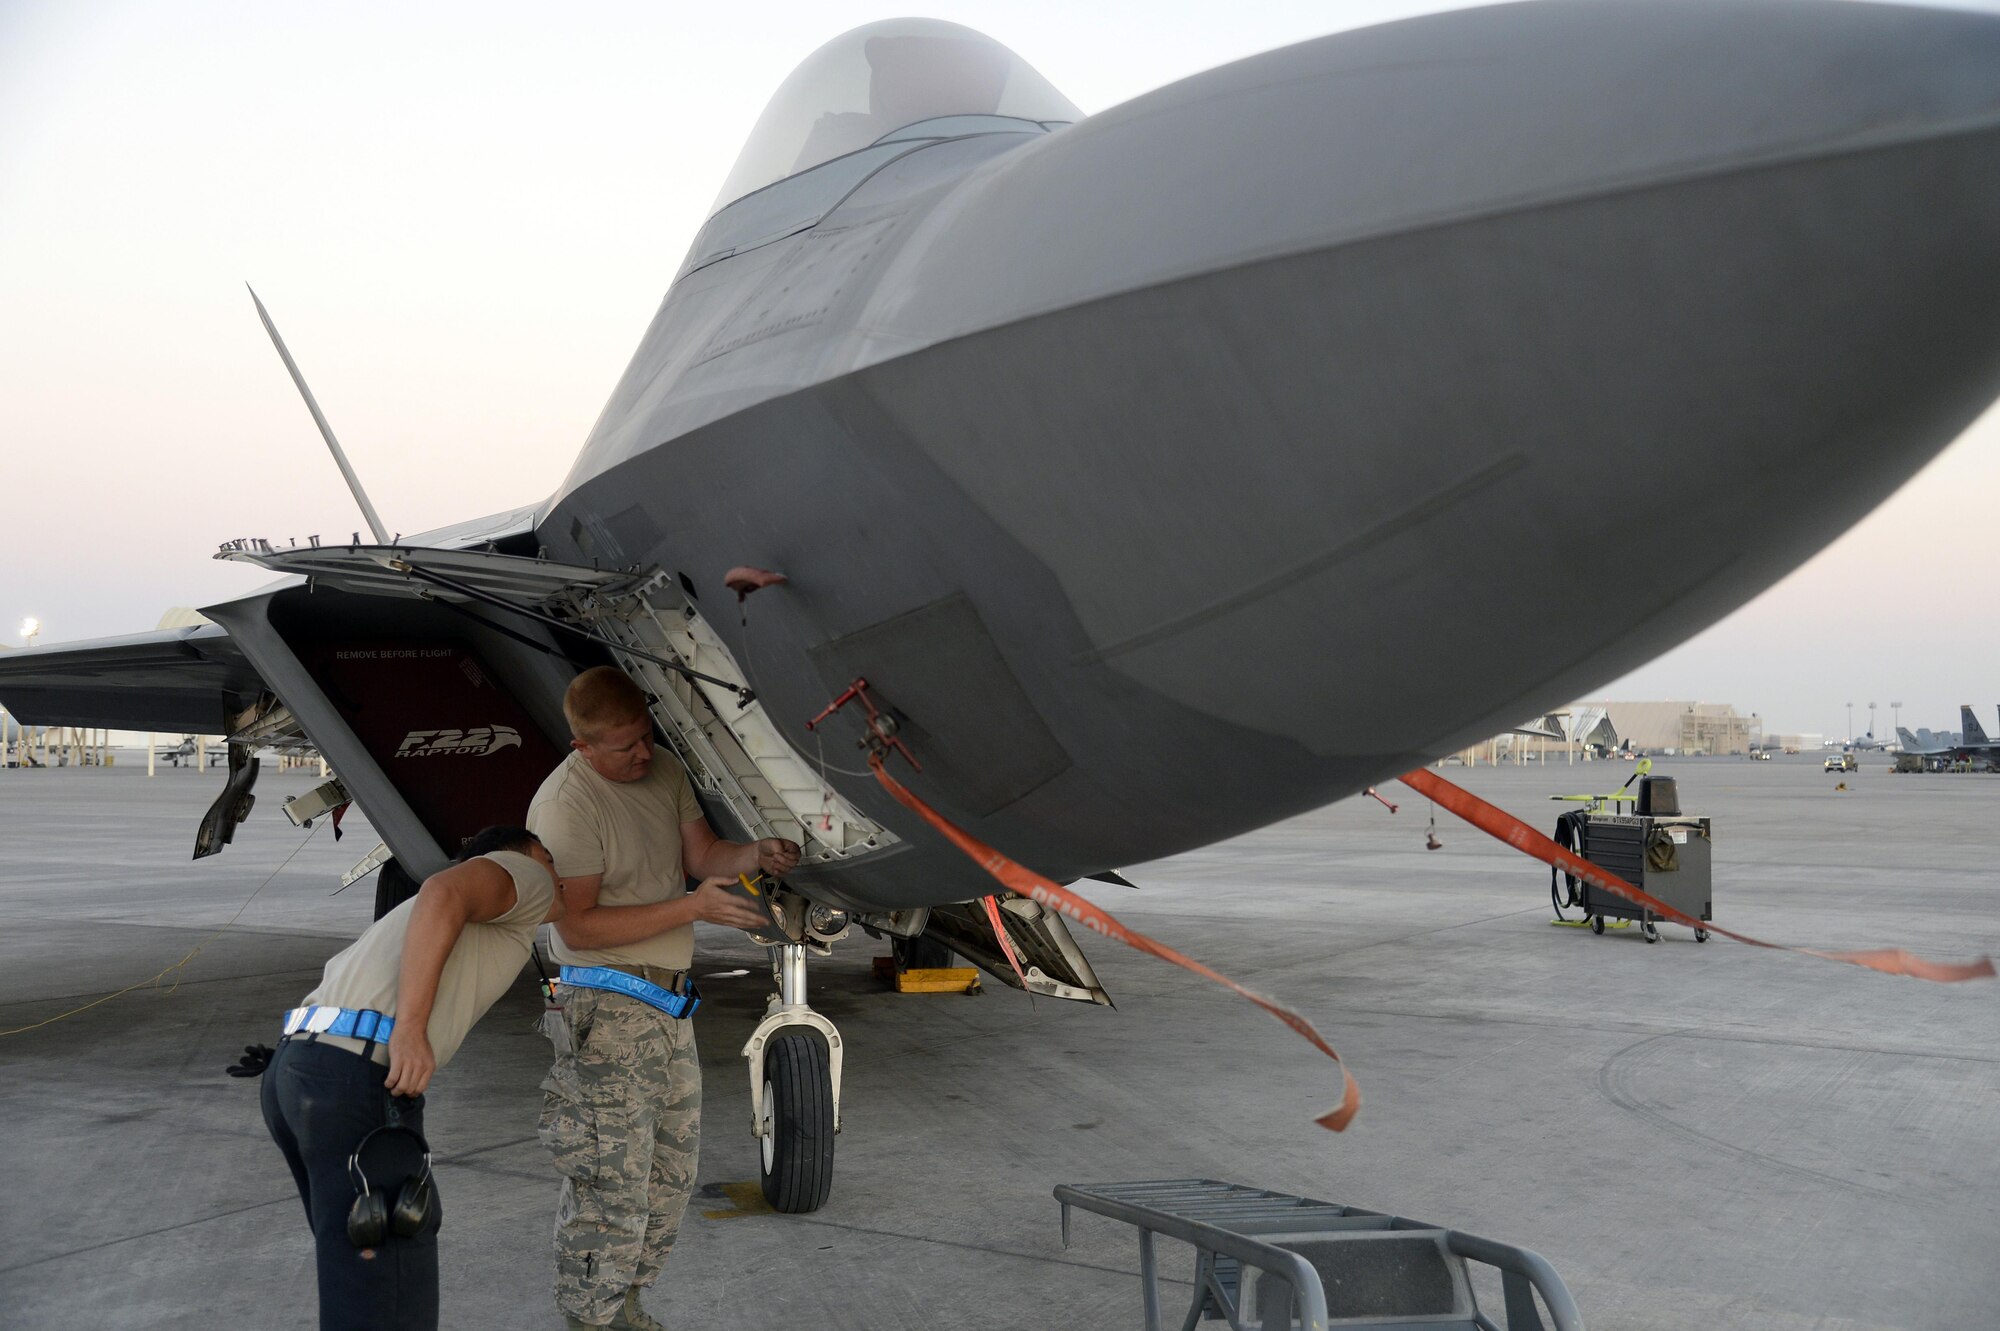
x=1684 y=727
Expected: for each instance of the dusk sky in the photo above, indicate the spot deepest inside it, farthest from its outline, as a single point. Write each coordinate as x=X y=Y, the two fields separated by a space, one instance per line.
x=462 y=218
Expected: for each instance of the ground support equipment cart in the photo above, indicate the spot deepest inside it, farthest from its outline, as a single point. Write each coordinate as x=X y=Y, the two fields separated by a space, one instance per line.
x=1277 y=1261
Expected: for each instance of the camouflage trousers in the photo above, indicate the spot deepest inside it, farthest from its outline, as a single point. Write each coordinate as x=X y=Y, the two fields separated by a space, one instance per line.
x=622 y=1119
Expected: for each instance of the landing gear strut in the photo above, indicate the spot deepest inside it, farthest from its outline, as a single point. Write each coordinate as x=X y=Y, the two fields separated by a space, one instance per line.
x=794 y=1056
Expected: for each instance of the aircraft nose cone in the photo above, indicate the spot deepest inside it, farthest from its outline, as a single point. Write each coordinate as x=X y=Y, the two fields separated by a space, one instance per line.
x=1459 y=365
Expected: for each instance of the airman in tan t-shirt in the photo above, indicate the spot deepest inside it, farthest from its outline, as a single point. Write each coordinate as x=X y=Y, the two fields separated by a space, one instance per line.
x=482 y=963
x=628 y=835
x=622 y=1115
x=346 y=1123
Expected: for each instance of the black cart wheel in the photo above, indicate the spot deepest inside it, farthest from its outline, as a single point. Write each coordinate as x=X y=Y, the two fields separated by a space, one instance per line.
x=797 y=1122
x=1701 y=935
x=1597 y=924
x=1647 y=929
x=393 y=887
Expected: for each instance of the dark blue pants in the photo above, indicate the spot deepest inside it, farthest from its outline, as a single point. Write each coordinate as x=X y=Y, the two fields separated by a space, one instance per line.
x=319 y=1102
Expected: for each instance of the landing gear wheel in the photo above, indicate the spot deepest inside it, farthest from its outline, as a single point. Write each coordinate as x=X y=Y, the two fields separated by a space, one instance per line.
x=1648 y=930
x=1701 y=935
x=1597 y=924
x=797 y=1139
x=392 y=888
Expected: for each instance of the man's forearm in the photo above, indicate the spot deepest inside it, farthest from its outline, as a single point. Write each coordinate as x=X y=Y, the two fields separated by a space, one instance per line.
x=615 y=926
x=726 y=859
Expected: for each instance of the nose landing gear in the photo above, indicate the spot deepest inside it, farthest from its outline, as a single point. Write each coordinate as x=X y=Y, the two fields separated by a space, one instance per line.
x=794 y=1056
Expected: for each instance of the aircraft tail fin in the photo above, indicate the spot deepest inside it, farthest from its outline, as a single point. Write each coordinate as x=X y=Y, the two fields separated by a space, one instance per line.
x=1969 y=723
x=1910 y=742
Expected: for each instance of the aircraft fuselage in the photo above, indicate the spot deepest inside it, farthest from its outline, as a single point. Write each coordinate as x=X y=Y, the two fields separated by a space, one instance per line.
x=1167 y=488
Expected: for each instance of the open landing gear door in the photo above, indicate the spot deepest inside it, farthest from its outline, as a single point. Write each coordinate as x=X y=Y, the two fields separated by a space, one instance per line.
x=1054 y=964
x=231 y=807
x=739 y=760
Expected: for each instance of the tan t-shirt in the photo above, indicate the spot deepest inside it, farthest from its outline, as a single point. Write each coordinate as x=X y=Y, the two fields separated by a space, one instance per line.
x=629 y=831
x=484 y=961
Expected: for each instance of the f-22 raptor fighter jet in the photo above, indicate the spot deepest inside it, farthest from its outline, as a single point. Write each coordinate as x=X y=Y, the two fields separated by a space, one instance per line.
x=1152 y=476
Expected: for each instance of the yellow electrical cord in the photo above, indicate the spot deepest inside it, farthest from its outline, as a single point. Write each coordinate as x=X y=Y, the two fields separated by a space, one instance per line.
x=193 y=952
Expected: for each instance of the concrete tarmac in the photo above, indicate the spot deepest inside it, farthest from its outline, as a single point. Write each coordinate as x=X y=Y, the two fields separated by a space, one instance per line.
x=1695 y=1135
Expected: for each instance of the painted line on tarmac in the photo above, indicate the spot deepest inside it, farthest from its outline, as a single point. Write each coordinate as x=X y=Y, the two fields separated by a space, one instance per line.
x=291 y=1197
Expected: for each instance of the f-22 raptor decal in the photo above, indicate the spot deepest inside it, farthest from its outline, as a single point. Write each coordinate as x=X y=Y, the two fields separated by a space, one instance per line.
x=475 y=742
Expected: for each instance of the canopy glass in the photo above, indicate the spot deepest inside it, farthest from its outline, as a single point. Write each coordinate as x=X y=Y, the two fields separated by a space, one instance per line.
x=878 y=79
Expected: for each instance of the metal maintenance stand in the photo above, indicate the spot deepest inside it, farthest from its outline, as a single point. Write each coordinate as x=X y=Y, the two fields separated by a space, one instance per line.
x=1277 y=1261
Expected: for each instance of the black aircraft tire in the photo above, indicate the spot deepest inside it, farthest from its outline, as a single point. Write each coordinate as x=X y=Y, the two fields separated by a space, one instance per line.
x=921 y=953
x=392 y=888
x=798 y=1167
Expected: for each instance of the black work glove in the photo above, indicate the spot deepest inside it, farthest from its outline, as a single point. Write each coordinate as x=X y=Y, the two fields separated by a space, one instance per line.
x=256 y=1057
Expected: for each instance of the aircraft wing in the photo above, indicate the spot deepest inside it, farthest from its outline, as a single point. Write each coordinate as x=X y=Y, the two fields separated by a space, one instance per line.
x=182 y=681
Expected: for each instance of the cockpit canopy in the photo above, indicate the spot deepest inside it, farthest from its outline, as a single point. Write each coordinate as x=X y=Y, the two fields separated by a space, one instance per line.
x=869 y=83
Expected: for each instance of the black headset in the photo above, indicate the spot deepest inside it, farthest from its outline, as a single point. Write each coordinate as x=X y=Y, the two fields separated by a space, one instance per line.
x=373 y=1217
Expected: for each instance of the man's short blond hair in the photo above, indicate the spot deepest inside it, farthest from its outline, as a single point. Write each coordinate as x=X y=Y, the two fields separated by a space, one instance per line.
x=600 y=699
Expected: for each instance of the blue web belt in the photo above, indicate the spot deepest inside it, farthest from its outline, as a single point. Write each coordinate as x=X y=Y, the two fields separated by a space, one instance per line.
x=618 y=982
x=357 y=1023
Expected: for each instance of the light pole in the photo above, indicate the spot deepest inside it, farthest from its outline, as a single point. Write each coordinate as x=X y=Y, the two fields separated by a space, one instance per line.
x=30 y=629
x=1896 y=718
x=1850 y=725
